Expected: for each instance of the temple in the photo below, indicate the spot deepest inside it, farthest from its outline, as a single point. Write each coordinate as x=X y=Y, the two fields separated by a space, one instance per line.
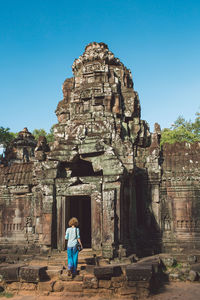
x=105 y=168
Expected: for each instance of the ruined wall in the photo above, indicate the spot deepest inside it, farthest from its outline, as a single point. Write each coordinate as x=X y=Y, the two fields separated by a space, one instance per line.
x=22 y=213
x=148 y=177
x=180 y=197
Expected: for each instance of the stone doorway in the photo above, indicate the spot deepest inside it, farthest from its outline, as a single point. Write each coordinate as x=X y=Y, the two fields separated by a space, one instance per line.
x=80 y=207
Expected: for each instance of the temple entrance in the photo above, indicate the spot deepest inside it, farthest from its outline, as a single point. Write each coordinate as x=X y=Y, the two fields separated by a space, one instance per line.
x=80 y=207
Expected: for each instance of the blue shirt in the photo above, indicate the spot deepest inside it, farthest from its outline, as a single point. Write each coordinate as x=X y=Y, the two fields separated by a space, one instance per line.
x=72 y=234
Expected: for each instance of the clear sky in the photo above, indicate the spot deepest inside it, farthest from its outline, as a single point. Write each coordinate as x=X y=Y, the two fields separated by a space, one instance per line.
x=159 y=40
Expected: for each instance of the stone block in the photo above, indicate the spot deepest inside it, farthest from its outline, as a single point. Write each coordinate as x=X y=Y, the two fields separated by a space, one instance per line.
x=193 y=276
x=118 y=278
x=58 y=286
x=105 y=292
x=46 y=286
x=139 y=272
x=65 y=277
x=174 y=277
x=73 y=286
x=13 y=286
x=125 y=291
x=143 y=292
x=90 y=282
x=196 y=268
x=117 y=282
x=168 y=261
x=104 y=284
x=89 y=269
x=107 y=272
x=53 y=273
x=78 y=278
x=131 y=283
x=11 y=273
x=90 y=292
x=192 y=259
x=28 y=286
x=33 y=273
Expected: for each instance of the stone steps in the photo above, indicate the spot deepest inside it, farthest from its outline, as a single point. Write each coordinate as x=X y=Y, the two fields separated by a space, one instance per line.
x=116 y=279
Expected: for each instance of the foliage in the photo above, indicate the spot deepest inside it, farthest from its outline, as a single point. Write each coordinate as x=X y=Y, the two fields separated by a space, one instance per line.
x=41 y=132
x=6 y=294
x=50 y=136
x=182 y=131
x=6 y=136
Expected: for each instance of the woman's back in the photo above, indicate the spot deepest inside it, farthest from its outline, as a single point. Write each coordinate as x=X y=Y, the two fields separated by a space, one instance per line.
x=72 y=234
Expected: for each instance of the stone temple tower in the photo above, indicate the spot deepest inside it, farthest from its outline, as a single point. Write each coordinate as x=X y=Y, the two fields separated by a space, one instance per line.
x=95 y=140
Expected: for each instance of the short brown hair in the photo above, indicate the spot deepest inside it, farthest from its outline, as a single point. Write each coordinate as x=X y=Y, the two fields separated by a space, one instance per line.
x=73 y=221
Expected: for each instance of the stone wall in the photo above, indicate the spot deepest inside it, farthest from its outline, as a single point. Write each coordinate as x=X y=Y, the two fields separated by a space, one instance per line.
x=180 y=196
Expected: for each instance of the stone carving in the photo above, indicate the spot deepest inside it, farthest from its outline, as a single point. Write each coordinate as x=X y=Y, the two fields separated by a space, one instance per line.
x=167 y=223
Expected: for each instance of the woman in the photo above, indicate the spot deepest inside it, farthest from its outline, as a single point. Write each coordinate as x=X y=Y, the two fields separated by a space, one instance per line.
x=72 y=235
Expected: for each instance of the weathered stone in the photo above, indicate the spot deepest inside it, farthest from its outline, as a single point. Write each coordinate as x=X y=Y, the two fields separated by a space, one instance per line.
x=139 y=272
x=126 y=291
x=90 y=282
x=1 y=289
x=169 y=261
x=193 y=275
x=104 y=284
x=107 y=272
x=46 y=286
x=73 y=286
x=33 y=273
x=13 y=286
x=11 y=273
x=28 y=286
x=192 y=259
x=196 y=268
x=58 y=286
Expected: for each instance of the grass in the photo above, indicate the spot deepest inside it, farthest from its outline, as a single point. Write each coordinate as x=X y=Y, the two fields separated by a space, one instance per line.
x=6 y=294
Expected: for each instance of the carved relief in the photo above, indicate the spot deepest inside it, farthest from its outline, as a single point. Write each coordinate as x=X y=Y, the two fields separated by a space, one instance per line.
x=167 y=223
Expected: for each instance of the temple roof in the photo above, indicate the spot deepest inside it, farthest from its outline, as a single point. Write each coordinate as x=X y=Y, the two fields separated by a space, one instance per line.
x=16 y=174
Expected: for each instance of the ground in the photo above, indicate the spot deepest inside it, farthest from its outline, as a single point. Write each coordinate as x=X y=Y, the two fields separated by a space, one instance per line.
x=171 y=291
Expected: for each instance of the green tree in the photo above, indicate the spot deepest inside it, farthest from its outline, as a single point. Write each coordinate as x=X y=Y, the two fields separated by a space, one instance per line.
x=41 y=132
x=50 y=136
x=6 y=136
x=182 y=131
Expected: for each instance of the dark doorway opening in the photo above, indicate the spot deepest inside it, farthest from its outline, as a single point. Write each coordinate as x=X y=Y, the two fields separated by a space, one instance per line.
x=80 y=207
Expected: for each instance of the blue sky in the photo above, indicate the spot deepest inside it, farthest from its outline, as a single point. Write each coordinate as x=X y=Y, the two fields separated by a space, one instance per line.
x=39 y=40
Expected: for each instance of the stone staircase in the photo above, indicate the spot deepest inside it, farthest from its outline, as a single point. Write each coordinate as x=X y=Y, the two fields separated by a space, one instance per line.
x=56 y=263
x=47 y=274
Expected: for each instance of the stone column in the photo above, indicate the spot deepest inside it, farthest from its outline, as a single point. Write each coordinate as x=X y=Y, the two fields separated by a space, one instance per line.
x=108 y=223
x=96 y=222
x=61 y=222
x=156 y=202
